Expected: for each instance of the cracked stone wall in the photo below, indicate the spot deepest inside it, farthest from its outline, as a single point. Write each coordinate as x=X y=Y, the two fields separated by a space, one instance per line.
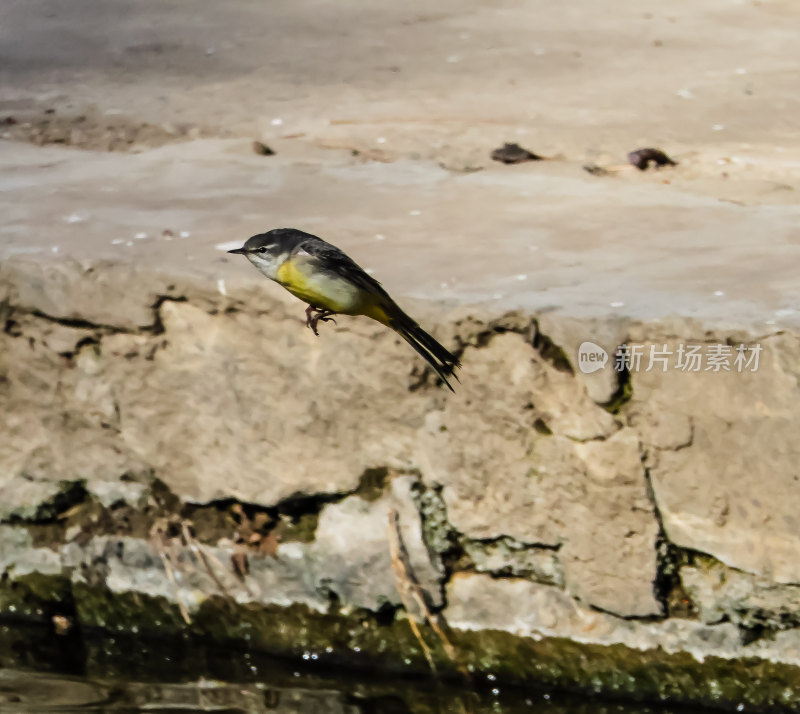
x=594 y=516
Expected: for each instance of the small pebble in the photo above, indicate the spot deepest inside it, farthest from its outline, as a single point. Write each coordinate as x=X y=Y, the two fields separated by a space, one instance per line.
x=221 y=287
x=522 y=276
x=260 y=148
x=617 y=303
x=379 y=236
x=719 y=293
x=61 y=624
x=510 y=153
x=184 y=234
x=117 y=241
x=415 y=213
x=74 y=218
x=718 y=127
x=277 y=121
x=643 y=158
x=140 y=236
x=381 y=139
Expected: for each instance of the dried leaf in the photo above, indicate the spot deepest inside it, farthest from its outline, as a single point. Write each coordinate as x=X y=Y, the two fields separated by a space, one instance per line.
x=240 y=564
x=260 y=520
x=270 y=542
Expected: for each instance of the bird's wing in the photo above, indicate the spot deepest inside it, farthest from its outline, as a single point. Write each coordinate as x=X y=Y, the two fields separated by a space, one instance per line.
x=331 y=260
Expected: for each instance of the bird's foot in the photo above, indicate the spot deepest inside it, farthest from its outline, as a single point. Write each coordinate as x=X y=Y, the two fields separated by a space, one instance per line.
x=314 y=315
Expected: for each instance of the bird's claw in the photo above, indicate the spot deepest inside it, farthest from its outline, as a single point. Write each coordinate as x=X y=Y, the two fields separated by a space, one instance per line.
x=314 y=315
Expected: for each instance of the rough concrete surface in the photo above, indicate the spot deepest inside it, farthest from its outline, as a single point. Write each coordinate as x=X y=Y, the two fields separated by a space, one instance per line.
x=152 y=387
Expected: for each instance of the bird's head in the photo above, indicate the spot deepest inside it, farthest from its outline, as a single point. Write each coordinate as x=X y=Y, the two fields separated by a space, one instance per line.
x=266 y=251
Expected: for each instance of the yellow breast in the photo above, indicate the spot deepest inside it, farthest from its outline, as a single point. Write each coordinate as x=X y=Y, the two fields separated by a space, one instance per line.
x=322 y=290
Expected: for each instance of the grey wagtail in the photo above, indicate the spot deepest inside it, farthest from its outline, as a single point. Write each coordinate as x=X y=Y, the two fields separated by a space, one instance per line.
x=332 y=283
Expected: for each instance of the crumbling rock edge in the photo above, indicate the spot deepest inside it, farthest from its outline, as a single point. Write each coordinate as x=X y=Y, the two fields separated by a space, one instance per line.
x=174 y=455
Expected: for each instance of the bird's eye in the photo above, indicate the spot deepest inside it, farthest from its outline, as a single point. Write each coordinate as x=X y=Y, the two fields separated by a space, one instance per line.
x=262 y=249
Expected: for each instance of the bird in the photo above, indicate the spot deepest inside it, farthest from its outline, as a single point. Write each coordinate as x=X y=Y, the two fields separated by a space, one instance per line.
x=332 y=283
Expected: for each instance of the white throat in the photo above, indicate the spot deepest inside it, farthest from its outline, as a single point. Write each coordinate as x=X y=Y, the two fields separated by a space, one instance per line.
x=267 y=263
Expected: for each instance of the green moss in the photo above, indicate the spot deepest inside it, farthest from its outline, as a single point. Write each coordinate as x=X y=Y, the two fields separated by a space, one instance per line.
x=96 y=606
x=620 y=671
x=30 y=596
x=302 y=530
x=551 y=352
x=372 y=484
x=357 y=639
x=622 y=395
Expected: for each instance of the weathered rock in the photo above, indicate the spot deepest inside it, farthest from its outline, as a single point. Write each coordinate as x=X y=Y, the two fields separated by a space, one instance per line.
x=131 y=565
x=18 y=556
x=754 y=602
x=477 y=602
x=569 y=333
x=531 y=475
x=240 y=401
x=508 y=557
x=349 y=559
x=351 y=555
x=502 y=476
x=722 y=455
x=113 y=493
x=208 y=407
x=23 y=498
x=89 y=293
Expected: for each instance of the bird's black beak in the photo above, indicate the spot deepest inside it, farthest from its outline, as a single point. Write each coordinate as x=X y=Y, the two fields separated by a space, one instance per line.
x=238 y=251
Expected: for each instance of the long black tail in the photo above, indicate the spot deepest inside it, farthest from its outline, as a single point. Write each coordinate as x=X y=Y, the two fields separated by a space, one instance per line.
x=435 y=354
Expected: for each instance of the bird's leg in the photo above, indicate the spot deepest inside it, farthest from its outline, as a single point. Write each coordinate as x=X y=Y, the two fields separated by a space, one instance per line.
x=314 y=315
x=309 y=310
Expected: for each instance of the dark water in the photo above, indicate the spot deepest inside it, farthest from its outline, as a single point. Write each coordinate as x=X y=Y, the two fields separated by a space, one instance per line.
x=42 y=672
